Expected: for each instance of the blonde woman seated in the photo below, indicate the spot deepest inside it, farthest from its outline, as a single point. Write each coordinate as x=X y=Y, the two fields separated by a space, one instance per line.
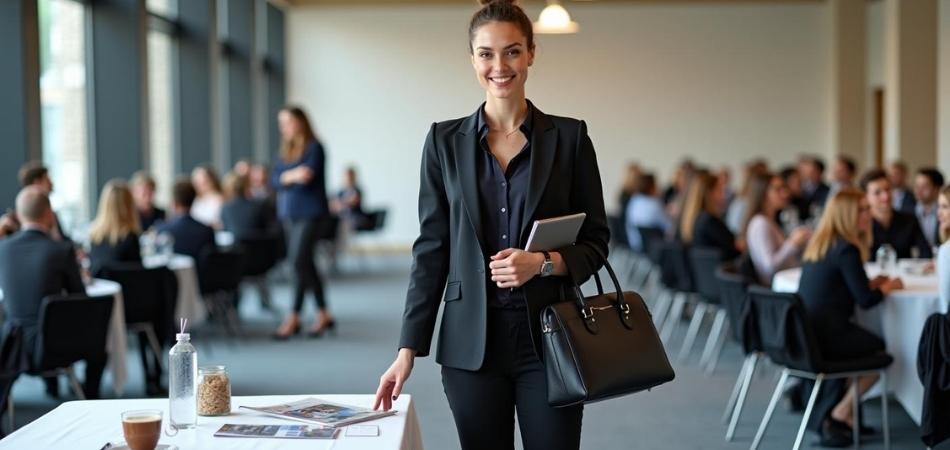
x=769 y=249
x=833 y=282
x=114 y=234
x=701 y=223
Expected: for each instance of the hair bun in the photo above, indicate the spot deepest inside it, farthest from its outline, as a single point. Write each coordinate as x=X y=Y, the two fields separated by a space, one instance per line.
x=500 y=2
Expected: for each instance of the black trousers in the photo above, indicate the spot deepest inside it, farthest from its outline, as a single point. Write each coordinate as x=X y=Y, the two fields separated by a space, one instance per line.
x=484 y=402
x=302 y=241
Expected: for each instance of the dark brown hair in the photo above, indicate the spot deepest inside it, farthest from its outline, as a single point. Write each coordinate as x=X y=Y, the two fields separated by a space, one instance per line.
x=183 y=193
x=31 y=172
x=501 y=11
x=292 y=149
x=871 y=176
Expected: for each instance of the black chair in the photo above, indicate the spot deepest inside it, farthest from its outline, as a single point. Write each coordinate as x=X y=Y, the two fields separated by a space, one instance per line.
x=13 y=362
x=787 y=338
x=375 y=221
x=219 y=280
x=675 y=272
x=70 y=329
x=703 y=262
x=261 y=254
x=734 y=298
x=149 y=299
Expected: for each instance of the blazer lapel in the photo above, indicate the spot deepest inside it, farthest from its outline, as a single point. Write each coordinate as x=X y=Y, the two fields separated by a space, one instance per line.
x=543 y=150
x=465 y=154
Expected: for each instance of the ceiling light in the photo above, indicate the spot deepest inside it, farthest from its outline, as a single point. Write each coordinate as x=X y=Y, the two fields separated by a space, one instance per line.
x=554 y=19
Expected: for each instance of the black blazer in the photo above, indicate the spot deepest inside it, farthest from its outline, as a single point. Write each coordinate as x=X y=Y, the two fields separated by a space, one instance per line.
x=710 y=231
x=904 y=234
x=33 y=266
x=191 y=237
x=830 y=289
x=245 y=217
x=103 y=254
x=449 y=254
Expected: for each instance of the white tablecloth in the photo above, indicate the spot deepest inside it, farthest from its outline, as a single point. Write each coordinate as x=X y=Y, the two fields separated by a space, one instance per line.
x=189 y=304
x=90 y=424
x=116 y=338
x=899 y=320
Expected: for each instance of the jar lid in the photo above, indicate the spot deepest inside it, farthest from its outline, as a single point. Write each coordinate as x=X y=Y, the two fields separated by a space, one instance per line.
x=211 y=369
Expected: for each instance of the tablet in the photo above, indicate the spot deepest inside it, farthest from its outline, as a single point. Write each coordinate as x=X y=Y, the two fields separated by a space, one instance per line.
x=553 y=233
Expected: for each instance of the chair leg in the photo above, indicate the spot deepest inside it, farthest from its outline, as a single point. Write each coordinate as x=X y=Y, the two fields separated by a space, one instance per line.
x=697 y=321
x=714 y=358
x=10 y=410
x=673 y=318
x=743 y=393
x=726 y=413
x=156 y=347
x=714 y=334
x=768 y=411
x=808 y=409
x=856 y=408
x=885 y=420
x=661 y=308
x=74 y=383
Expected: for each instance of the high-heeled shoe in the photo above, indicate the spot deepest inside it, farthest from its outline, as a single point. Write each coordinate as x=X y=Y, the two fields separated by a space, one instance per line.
x=278 y=336
x=329 y=326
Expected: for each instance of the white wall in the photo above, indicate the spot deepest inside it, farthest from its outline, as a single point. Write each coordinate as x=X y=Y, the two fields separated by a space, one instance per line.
x=943 y=88
x=721 y=83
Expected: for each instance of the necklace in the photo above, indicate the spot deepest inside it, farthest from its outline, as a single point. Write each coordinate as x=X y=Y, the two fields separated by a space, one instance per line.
x=506 y=133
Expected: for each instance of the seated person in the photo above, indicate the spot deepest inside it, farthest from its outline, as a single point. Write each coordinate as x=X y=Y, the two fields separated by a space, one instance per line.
x=927 y=185
x=209 y=198
x=243 y=215
x=114 y=234
x=701 y=221
x=645 y=211
x=900 y=230
x=143 y=192
x=34 y=266
x=35 y=174
x=348 y=203
x=833 y=281
x=191 y=237
x=769 y=249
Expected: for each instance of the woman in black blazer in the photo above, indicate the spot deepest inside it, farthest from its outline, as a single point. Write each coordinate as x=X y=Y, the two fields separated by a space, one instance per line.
x=701 y=222
x=114 y=234
x=833 y=281
x=484 y=179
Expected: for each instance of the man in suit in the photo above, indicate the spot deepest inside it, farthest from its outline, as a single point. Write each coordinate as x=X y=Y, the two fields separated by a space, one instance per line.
x=32 y=266
x=243 y=215
x=35 y=174
x=143 y=193
x=927 y=185
x=902 y=196
x=191 y=237
x=814 y=190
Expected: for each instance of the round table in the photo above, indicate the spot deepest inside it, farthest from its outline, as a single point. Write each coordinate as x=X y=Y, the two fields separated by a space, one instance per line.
x=899 y=320
x=189 y=304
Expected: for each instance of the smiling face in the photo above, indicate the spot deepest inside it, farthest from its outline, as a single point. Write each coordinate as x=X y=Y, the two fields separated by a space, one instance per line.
x=777 y=194
x=501 y=57
x=879 y=196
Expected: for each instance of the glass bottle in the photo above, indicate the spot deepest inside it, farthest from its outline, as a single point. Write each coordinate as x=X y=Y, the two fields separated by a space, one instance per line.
x=182 y=379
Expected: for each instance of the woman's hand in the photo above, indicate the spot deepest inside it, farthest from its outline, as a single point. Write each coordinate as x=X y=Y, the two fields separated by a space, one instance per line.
x=800 y=236
x=893 y=284
x=390 y=384
x=297 y=175
x=511 y=268
x=878 y=281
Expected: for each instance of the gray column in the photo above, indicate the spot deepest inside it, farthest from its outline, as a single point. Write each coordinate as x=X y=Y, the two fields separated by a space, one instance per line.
x=20 y=130
x=238 y=17
x=194 y=71
x=276 y=79
x=848 y=79
x=118 y=95
x=910 y=29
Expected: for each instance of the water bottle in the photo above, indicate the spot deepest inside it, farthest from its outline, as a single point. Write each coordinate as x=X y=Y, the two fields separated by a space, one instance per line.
x=182 y=379
x=886 y=259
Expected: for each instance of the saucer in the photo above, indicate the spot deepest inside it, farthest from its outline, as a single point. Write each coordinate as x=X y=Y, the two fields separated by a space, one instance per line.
x=123 y=446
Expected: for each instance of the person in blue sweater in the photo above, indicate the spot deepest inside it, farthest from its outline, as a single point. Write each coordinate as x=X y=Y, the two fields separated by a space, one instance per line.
x=299 y=177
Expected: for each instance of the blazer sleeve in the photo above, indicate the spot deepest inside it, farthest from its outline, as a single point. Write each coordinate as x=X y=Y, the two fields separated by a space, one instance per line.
x=430 y=255
x=73 y=280
x=588 y=254
x=856 y=279
x=920 y=240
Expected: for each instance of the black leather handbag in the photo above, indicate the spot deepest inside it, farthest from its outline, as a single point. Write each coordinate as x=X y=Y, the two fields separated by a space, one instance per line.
x=601 y=347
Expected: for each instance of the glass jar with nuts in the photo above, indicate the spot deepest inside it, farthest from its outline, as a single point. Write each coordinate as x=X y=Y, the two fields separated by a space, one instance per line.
x=214 y=391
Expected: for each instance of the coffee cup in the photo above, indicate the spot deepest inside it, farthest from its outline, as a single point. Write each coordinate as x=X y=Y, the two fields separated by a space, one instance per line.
x=142 y=428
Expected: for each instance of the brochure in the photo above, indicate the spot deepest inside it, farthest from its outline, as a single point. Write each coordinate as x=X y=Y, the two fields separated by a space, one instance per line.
x=277 y=431
x=321 y=412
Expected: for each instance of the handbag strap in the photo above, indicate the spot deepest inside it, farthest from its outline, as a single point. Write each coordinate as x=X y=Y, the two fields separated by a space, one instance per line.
x=621 y=305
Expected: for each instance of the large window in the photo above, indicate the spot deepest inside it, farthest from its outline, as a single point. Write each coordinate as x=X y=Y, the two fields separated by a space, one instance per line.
x=63 y=102
x=160 y=97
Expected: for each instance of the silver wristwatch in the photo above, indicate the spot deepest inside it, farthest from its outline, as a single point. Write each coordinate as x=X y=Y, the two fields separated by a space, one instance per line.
x=547 y=267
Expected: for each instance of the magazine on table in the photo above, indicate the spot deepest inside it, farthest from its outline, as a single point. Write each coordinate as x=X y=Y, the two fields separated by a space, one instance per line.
x=321 y=412
x=277 y=431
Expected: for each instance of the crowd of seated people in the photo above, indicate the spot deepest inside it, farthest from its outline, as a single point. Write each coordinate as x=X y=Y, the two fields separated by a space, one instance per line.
x=792 y=218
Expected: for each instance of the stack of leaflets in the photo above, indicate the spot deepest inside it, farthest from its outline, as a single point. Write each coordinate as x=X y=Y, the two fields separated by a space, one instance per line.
x=321 y=412
x=277 y=431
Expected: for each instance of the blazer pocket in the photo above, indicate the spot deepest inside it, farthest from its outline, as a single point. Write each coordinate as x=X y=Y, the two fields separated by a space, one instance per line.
x=453 y=291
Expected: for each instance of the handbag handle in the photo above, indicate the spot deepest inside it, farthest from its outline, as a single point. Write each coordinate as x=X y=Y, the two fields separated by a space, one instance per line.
x=623 y=308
